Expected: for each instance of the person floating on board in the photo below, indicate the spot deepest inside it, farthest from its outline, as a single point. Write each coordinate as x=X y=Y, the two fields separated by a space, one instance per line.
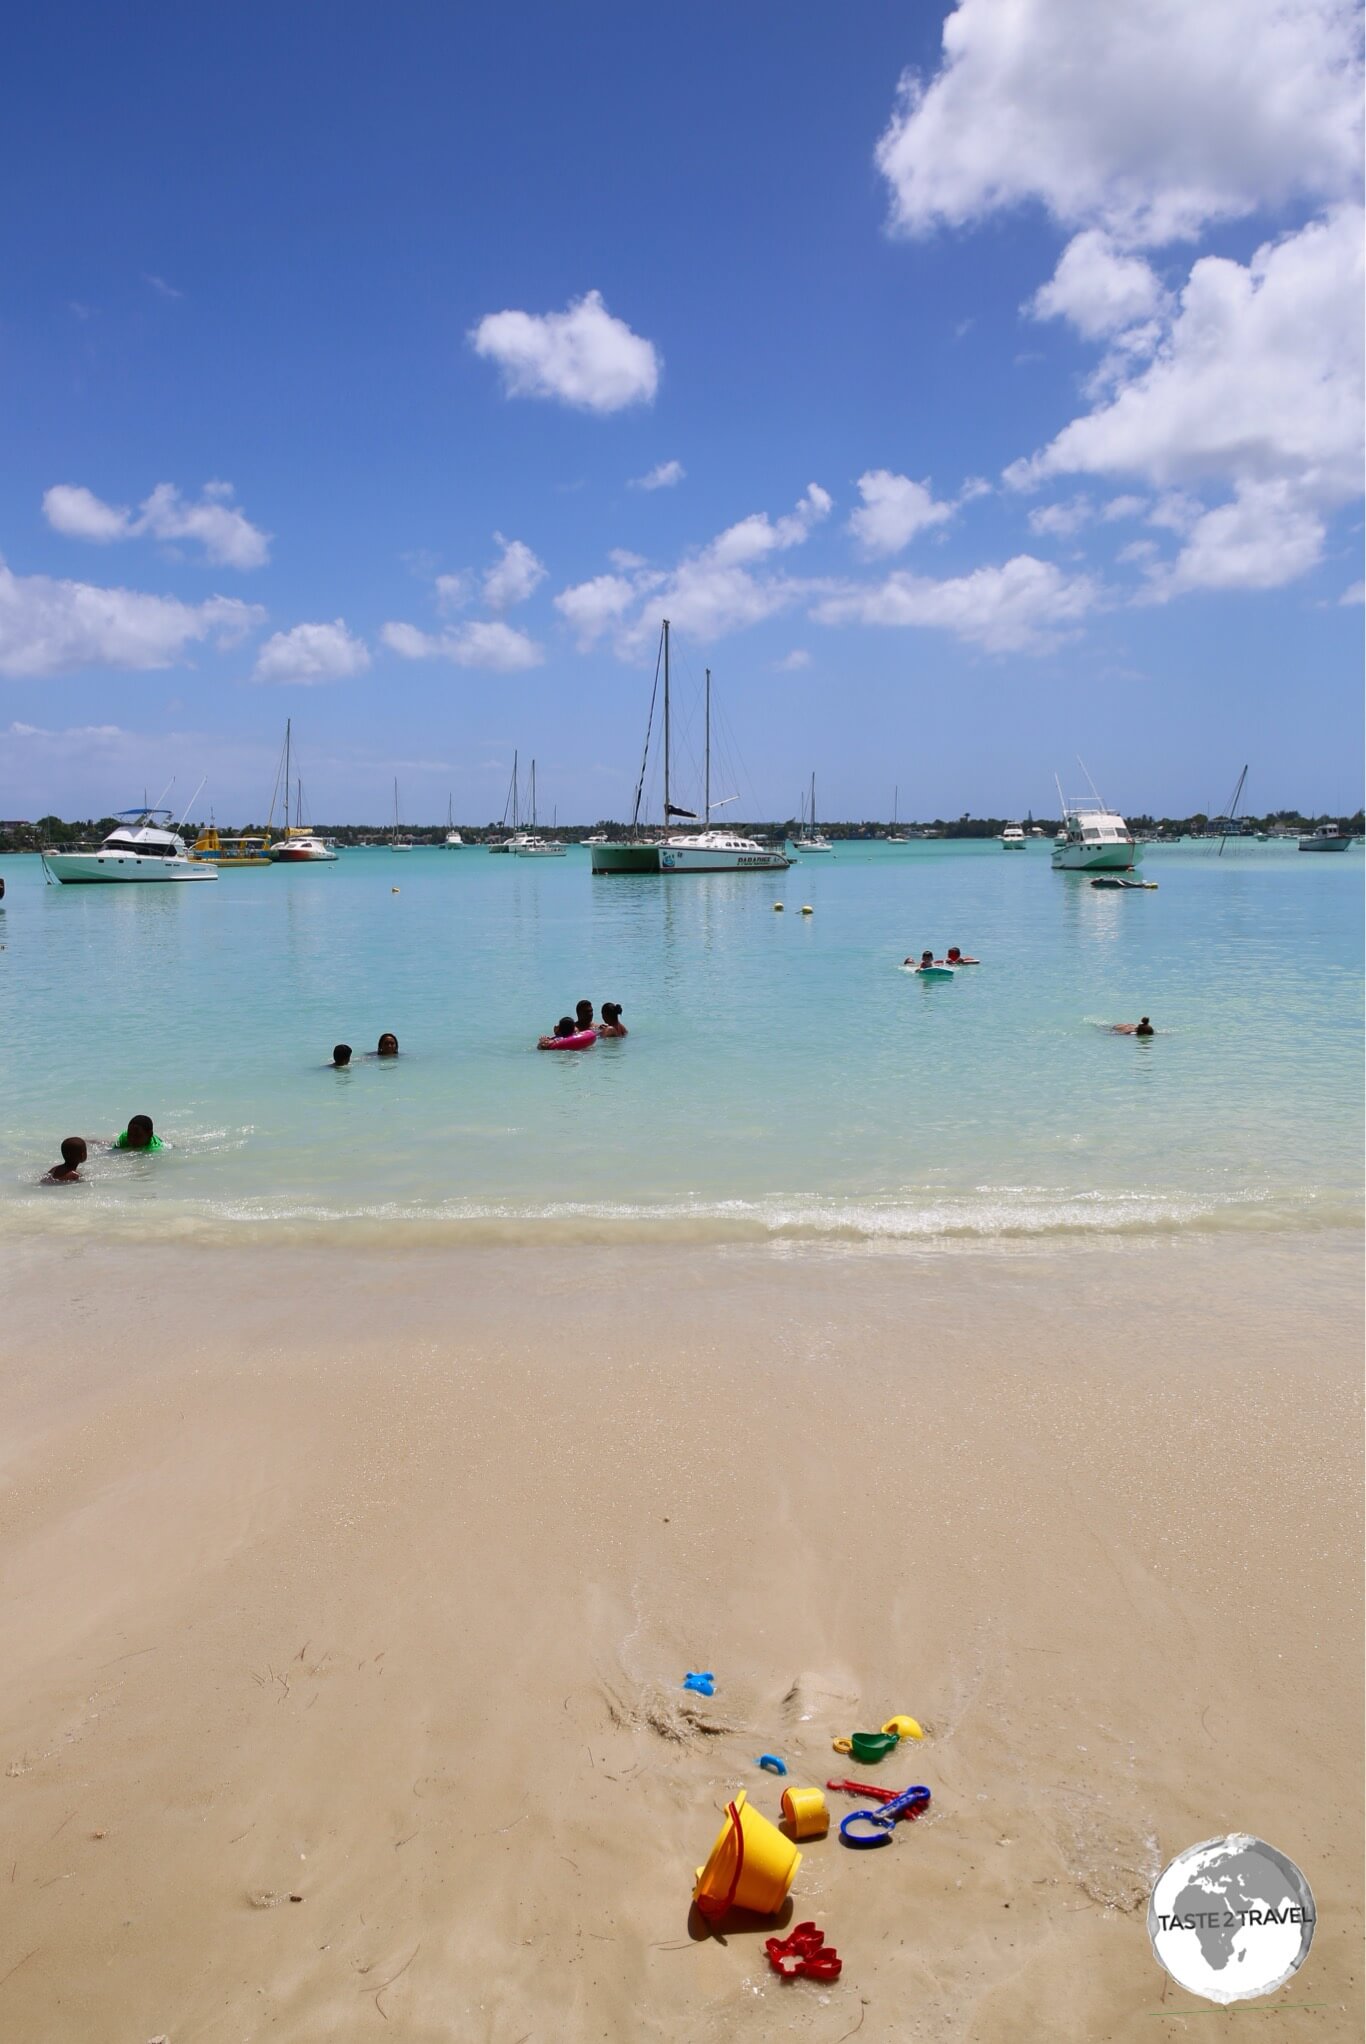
x=1143 y=1027
x=68 y=1172
x=955 y=957
x=139 y=1135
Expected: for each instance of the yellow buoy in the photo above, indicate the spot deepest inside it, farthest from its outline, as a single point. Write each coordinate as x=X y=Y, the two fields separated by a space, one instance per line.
x=807 y=909
x=777 y=908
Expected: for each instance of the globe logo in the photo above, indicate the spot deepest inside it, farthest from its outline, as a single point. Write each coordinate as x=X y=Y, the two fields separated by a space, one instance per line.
x=1231 y=1918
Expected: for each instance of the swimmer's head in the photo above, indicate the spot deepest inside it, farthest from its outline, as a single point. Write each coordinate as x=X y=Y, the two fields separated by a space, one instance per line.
x=341 y=1053
x=584 y=1011
x=566 y=1026
x=74 y=1151
x=140 y=1131
x=387 y=1045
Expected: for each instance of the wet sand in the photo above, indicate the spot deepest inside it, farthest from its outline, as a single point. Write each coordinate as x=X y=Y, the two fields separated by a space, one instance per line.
x=371 y=1579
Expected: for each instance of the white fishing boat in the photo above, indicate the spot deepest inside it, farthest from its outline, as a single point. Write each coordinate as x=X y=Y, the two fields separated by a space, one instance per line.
x=701 y=851
x=1327 y=838
x=299 y=846
x=810 y=839
x=529 y=844
x=1013 y=839
x=143 y=848
x=1093 y=839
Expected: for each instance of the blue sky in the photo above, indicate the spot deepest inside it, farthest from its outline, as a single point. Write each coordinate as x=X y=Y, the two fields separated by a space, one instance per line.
x=1005 y=415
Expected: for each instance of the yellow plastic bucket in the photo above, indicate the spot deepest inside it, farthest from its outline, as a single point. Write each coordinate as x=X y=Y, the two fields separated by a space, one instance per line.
x=752 y=1872
x=806 y=1812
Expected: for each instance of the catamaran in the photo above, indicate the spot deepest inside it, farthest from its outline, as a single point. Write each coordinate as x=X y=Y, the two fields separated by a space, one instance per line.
x=1093 y=839
x=144 y=846
x=299 y=846
x=702 y=851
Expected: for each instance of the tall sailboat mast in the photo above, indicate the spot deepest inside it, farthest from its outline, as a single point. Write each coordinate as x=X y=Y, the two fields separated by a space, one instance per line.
x=666 y=724
x=288 y=723
x=706 y=755
x=514 y=793
x=533 y=794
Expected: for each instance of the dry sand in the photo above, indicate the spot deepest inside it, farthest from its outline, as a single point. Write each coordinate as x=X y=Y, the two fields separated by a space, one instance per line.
x=370 y=1579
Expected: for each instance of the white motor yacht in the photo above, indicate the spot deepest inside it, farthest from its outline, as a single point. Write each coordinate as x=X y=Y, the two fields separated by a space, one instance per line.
x=300 y=847
x=140 y=849
x=1094 y=839
x=1327 y=838
x=1013 y=839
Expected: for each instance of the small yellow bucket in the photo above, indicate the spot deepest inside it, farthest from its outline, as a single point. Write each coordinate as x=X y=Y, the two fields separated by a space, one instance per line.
x=751 y=1871
x=806 y=1812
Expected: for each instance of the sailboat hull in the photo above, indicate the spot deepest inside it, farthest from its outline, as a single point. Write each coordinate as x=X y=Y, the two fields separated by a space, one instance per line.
x=625 y=858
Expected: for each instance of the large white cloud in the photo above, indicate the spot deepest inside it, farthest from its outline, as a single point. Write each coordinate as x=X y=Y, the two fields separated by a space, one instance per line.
x=583 y=356
x=893 y=511
x=310 y=654
x=594 y=607
x=52 y=627
x=514 y=576
x=1024 y=605
x=485 y=643
x=1255 y=386
x=226 y=534
x=1149 y=121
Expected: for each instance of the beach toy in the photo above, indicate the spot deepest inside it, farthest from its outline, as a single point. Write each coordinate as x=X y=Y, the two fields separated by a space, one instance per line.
x=804 y=1951
x=704 y=1682
x=865 y=1828
x=806 y=1812
x=934 y=972
x=773 y=1764
x=582 y=1039
x=867 y=1747
x=905 y=1728
x=750 y=1866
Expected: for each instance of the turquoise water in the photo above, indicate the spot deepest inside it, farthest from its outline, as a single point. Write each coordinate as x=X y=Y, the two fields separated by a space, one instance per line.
x=782 y=1077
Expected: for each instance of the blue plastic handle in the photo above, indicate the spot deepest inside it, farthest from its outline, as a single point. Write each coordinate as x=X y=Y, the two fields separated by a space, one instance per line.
x=772 y=1763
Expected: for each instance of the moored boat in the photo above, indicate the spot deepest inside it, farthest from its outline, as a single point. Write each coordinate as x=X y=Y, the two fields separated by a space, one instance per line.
x=1327 y=838
x=1093 y=839
x=140 y=849
x=252 y=849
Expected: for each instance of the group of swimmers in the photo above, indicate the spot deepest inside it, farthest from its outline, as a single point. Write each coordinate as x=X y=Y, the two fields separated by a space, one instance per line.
x=579 y=1031
x=927 y=960
x=139 y=1136
x=386 y=1047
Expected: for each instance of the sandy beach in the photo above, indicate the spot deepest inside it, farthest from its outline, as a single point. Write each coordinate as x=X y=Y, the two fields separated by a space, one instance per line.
x=370 y=1580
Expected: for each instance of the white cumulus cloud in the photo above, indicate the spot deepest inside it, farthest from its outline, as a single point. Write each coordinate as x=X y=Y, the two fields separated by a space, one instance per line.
x=1062 y=519
x=662 y=477
x=1149 y=121
x=214 y=522
x=1097 y=288
x=583 y=356
x=56 y=627
x=1267 y=536
x=711 y=591
x=310 y=654
x=514 y=576
x=1025 y=605
x=485 y=643
x=893 y=511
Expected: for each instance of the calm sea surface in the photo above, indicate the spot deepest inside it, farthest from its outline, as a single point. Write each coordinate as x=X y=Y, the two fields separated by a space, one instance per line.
x=782 y=1076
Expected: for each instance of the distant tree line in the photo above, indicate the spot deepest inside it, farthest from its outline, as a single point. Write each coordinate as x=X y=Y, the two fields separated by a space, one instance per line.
x=17 y=835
